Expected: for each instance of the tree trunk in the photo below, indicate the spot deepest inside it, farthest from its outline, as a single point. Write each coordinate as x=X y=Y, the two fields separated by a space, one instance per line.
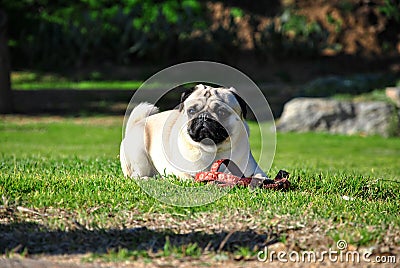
x=6 y=100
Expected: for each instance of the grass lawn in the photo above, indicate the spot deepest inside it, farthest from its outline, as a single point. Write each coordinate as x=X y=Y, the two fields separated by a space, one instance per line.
x=33 y=80
x=64 y=196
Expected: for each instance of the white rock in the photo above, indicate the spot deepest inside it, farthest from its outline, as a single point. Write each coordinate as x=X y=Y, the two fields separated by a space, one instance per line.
x=342 y=117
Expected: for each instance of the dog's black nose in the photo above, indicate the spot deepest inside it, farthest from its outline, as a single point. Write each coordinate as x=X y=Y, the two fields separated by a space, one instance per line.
x=205 y=116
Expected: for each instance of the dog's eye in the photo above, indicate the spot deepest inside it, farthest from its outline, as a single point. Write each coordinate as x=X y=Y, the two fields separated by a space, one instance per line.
x=191 y=111
x=222 y=112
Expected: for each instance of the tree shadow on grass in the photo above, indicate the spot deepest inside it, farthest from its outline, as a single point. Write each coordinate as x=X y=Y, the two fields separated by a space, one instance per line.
x=35 y=238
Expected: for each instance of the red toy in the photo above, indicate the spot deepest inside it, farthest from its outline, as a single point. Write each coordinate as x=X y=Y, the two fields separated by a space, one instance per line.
x=280 y=182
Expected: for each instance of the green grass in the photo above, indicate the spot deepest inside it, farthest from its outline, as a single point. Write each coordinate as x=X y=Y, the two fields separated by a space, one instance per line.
x=128 y=85
x=73 y=168
x=32 y=81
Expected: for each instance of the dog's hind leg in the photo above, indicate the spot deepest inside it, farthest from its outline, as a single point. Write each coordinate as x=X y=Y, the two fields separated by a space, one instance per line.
x=134 y=159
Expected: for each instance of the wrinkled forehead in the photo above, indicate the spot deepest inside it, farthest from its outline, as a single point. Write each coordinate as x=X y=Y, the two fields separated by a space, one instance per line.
x=211 y=94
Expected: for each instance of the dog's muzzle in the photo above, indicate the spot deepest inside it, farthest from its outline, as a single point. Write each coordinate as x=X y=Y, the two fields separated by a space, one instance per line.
x=204 y=128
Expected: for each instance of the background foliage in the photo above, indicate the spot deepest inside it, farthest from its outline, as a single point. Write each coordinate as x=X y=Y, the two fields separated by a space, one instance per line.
x=62 y=32
x=49 y=34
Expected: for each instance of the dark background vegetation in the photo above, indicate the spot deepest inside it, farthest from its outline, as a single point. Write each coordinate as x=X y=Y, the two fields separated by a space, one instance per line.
x=55 y=34
x=280 y=40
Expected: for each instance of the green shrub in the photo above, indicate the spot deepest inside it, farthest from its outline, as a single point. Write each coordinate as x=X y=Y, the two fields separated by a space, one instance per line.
x=48 y=33
x=292 y=35
x=391 y=8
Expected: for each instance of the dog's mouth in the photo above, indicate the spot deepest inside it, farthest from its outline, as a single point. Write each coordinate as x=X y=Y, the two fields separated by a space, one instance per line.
x=206 y=130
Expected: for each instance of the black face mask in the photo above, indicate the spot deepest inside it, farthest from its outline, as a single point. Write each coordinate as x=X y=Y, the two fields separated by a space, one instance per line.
x=204 y=127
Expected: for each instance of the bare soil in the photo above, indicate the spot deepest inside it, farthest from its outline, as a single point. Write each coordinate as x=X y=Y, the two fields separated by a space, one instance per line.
x=217 y=234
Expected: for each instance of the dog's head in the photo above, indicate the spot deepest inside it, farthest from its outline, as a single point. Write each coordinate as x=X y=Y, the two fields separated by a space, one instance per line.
x=213 y=114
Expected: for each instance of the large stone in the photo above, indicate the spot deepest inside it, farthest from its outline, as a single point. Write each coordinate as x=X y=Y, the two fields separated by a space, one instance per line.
x=344 y=117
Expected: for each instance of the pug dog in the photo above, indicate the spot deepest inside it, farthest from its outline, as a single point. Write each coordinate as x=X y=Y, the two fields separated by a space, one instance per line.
x=209 y=124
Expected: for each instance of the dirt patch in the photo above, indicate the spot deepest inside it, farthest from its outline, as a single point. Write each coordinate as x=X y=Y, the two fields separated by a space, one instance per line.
x=33 y=235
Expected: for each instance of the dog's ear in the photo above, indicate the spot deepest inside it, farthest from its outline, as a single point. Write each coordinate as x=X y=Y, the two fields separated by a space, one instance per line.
x=242 y=104
x=184 y=96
